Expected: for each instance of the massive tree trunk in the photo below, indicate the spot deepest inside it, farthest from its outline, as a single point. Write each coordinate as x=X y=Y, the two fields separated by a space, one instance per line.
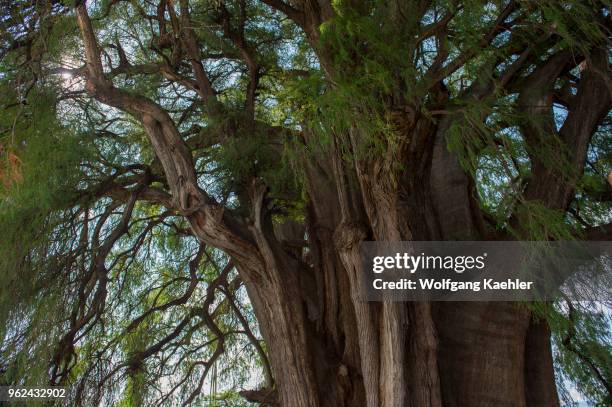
x=330 y=348
x=350 y=352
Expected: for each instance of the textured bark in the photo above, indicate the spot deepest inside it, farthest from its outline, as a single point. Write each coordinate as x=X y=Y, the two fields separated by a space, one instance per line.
x=540 y=389
x=482 y=353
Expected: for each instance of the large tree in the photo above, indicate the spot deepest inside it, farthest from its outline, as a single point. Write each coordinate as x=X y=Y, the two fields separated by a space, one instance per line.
x=165 y=159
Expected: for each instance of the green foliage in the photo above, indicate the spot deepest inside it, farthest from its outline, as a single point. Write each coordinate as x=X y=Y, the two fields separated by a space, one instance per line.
x=368 y=61
x=35 y=221
x=251 y=152
x=593 y=202
x=49 y=157
x=541 y=223
x=582 y=345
